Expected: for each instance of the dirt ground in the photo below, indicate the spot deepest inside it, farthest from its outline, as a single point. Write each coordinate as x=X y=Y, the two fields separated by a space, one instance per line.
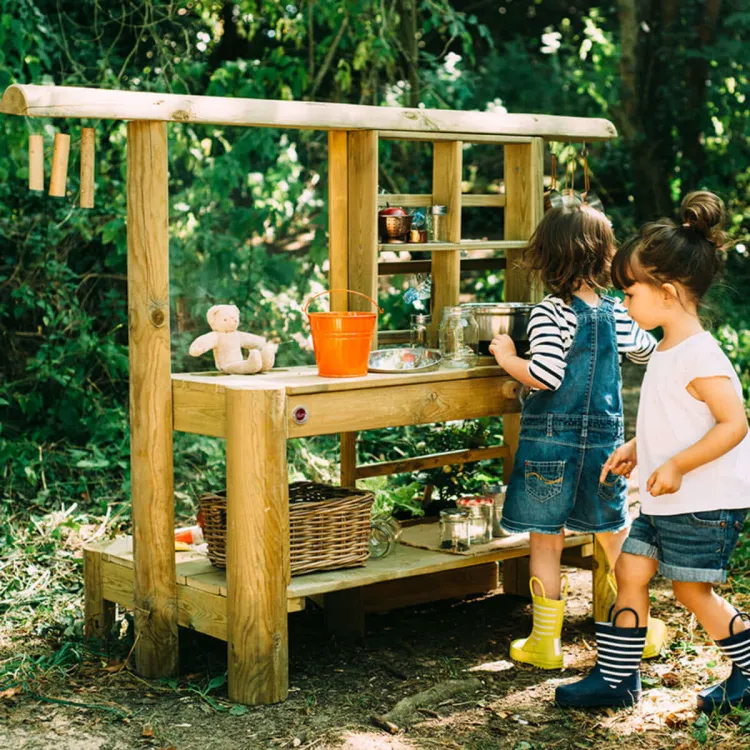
x=337 y=686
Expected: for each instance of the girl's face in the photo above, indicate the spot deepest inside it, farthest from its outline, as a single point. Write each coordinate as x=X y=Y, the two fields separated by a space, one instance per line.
x=647 y=305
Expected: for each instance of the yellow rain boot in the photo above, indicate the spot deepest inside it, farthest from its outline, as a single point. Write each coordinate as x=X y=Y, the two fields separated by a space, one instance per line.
x=657 y=633
x=542 y=648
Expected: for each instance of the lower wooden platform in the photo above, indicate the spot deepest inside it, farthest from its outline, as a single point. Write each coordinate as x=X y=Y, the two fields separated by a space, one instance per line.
x=202 y=588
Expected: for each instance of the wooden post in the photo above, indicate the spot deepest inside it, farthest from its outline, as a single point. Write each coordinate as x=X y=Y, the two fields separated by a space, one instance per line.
x=446 y=264
x=257 y=545
x=602 y=594
x=363 y=219
x=516 y=576
x=87 y=167
x=338 y=217
x=348 y=459
x=99 y=614
x=59 y=175
x=36 y=162
x=524 y=208
x=152 y=482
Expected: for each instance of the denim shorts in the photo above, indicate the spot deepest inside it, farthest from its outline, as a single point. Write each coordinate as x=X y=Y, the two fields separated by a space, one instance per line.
x=692 y=547
x=555 y=480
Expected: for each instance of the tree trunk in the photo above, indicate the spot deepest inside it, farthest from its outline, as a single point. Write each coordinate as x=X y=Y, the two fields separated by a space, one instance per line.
x=408 y=15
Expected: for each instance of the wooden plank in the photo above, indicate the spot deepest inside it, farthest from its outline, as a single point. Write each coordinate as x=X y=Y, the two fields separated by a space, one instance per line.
x=257 y=546
x=516 y=577
x=422 y=403
x=467 y=245
x=348 y=476
x=409 y=592
x=99 y=613
x=363 y=219
x=391 y=338
x=406 y=200
x=200 y=410
x=473 y=200
x=447 y=169
x=88 y=157
x=425 y=266
x=603 y=597
x=338 y=217
x=152 y=484
x=36 y=162
x=406 y=562
x=524 y=208
x=432 y=461
x=432 y=136
x=70 y=101
x=58 y=179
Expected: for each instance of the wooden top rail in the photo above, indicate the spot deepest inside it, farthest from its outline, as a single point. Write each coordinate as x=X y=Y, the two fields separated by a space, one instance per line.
x=77 y=102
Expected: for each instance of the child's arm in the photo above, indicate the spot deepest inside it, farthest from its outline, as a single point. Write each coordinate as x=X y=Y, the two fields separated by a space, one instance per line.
x=730 y=429
x=632 y=341
x=504 y=351
x=622 y=461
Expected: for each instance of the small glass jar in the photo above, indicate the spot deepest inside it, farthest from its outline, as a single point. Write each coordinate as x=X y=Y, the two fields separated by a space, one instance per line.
x=459 y=338
x=497 y=493
x=479 y=510
x=418 y=331
x=437 y=224
x=454 y=530
x=384 y=533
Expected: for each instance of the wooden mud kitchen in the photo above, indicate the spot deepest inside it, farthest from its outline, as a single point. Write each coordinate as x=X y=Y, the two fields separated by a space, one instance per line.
x=248 y=604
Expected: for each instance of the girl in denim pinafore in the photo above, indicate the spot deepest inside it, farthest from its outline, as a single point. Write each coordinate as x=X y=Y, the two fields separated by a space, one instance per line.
x=572 y=421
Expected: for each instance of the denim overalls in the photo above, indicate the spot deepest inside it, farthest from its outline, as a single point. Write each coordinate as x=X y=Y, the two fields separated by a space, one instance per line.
x=568 y=434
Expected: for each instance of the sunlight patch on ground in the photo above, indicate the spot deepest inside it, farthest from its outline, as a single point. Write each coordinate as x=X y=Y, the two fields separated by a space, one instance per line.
x=374 y=741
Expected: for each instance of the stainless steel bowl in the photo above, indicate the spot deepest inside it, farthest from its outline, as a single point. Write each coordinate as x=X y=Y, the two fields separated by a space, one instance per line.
x=494 y=318
x=404 y=359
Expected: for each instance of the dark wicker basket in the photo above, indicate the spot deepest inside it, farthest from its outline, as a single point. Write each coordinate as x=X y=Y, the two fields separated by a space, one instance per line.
x=329 y=527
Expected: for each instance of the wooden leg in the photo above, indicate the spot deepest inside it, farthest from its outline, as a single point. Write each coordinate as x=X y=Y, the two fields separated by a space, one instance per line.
x=151 y=475
x=345 y=615
x=516 y=576
x=100 y=614
x=602 y=594
x=257 y=546
x=511 y=432
x=348 y=459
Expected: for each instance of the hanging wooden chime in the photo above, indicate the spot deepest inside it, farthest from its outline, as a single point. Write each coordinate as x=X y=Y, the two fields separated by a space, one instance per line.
x=59 y=176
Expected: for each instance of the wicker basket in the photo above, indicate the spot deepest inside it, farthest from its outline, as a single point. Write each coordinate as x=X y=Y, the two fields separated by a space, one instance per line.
x=329 y=527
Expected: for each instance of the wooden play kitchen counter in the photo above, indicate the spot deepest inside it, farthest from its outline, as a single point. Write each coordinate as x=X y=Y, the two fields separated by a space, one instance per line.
x=247 y=605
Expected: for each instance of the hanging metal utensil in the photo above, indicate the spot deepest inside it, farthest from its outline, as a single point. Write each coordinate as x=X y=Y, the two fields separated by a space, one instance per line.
x=590 y=198
x=553 y=198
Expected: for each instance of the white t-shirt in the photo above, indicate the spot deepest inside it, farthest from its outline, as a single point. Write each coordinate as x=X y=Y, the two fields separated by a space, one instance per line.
x=671 y=420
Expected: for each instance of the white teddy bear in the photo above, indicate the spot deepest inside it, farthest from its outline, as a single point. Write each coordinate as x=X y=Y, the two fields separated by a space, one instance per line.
x=227 y=344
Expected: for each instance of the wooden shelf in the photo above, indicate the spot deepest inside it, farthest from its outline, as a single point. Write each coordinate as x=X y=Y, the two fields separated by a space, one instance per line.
x=202 y=588
x=425 y=247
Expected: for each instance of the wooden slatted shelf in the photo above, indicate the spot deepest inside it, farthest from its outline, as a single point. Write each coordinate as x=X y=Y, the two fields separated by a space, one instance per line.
x=419 y=200
x=469 y=245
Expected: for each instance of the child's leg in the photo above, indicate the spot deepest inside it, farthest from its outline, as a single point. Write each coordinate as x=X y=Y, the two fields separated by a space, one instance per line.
x=711 y=611
x=544 y=561
x=633 y=574
x=612 y=542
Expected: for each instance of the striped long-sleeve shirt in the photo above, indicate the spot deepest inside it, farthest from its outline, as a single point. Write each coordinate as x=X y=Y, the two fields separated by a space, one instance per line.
x=552 y=326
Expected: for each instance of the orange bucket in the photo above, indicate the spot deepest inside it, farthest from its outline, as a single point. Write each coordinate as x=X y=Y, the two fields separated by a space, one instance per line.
x=342 y=340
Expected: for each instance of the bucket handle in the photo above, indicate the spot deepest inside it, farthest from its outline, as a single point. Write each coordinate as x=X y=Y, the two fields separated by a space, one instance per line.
x=331 y=291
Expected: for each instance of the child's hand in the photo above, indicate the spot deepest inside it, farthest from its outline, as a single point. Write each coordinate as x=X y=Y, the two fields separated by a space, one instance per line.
x=621 y=462
x=502 y=347
x=665 y=480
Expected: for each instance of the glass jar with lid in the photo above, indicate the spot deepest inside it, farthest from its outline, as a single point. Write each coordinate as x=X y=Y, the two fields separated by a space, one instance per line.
x=454 y=530
x=479 y=510
x=419 y=331
x=437 y=224
x=459 y=338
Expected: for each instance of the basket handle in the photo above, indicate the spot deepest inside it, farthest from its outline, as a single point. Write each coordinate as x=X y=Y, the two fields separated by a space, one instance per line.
x=331 y=291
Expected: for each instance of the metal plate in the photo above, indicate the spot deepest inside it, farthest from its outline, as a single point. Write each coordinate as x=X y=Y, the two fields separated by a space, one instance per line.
x=404 y=359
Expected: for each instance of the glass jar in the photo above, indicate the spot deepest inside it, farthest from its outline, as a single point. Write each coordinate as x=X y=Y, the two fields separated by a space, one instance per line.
x=384 y=533
x=454 y=530
x=418 y=331
x=497 y=493
x=437 y=224
x=479 y=510
x=459 y=338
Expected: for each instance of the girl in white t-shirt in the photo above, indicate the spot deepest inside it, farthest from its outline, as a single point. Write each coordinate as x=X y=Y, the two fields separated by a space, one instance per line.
x=692 y=449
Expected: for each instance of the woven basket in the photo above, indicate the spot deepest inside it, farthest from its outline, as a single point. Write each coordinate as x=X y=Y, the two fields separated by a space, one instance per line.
x=329 y=527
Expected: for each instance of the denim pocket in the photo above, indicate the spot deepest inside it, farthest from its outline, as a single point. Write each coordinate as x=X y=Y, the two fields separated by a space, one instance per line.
x=612 y=488
x=707 y=519
x=544 y=479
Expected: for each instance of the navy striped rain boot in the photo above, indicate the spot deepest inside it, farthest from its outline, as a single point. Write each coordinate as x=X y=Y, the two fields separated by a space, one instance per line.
x=616 y=678
x=735 y=690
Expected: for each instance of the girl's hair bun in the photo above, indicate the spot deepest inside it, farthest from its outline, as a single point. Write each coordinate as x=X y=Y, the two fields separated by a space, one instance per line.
x=703 y=212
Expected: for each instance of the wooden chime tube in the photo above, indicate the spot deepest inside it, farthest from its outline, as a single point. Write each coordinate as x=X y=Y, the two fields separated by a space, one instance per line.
x=87 y=167
x=36 y=162
x=59 y=176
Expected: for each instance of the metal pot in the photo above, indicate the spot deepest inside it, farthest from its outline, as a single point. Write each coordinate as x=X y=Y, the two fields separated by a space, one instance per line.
x=494 y=318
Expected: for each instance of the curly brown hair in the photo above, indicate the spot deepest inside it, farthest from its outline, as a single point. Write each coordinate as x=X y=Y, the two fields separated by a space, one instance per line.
x=572 y=245
x=690 y=253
